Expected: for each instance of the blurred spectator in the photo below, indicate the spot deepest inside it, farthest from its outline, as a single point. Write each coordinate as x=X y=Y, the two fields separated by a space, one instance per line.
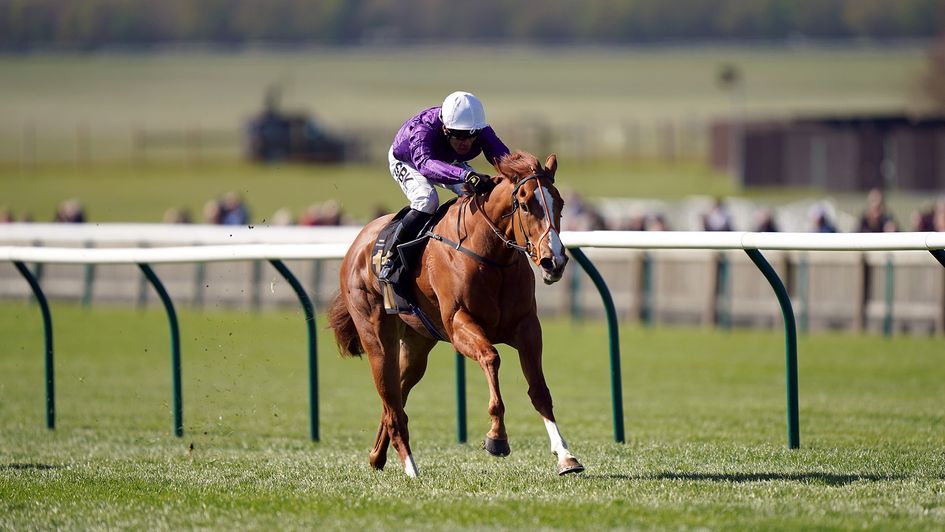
x=820 y=220
x=875 y=218
x=764 y=221
x=328 y=213
x=718 y=218
x=657 y=222
x=931 y=218
x=70 y=211
x=233 y=210
x=636 y=222
x=212 y=212
x=282 y=217
x=579 y=215
x=922 y=219
x=6 y=215
x=309 y=215
x=938 y=216
x=177 y=216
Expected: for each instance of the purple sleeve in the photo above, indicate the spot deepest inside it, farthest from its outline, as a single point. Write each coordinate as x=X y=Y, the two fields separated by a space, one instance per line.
x=493 y=148
x=421 y=151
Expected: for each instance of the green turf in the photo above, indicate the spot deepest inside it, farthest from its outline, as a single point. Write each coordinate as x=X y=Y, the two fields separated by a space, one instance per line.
x=704 y=414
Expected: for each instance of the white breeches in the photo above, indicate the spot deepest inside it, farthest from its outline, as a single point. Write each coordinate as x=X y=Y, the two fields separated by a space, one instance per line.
x=418 y=189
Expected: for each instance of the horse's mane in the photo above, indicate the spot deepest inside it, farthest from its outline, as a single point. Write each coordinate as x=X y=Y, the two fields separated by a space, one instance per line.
x=517 y=164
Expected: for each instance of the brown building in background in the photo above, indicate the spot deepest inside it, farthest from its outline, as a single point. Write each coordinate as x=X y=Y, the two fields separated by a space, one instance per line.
x=834 y=153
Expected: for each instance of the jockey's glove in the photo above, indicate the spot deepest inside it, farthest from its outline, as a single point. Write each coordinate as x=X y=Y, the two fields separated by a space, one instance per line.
x=480 y=183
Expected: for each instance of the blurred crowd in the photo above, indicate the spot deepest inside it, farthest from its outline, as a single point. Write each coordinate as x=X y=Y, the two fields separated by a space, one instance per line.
x=578 y=215
x=227 y=209
x=231 y=209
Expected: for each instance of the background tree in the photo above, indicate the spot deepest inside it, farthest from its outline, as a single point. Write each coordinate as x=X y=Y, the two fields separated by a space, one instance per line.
x=93 y=24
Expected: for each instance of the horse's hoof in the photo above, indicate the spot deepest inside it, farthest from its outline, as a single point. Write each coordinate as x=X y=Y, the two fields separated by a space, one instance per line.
x=378 y=461
x=569 y=465
x=497 y=447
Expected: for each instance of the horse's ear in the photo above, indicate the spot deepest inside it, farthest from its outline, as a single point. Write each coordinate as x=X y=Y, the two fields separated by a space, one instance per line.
x=551 y=165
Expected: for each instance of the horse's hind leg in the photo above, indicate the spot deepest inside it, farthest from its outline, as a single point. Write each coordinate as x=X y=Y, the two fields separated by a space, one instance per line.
x=469 y=339
x=529 y=347
x=414 y=352
x=379 y=336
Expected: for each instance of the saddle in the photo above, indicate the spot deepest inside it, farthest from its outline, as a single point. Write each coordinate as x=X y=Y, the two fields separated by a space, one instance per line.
x=398 y=293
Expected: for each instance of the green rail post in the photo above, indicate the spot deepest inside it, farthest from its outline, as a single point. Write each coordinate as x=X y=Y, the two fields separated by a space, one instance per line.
x=616 y=391
x=646 y=291
x=48 y=338
x=312 y=343
x=175 y=348
x=790 y=332
x=888 y=297
x=803 y=291
x=88 y=281
x=723 y=293
x=460 y=398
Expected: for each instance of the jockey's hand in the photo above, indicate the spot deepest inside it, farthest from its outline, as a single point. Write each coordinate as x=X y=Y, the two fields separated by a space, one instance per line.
x=479 y=183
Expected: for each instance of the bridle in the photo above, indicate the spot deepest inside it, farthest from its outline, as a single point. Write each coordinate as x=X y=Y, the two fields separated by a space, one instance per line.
x=527 y=248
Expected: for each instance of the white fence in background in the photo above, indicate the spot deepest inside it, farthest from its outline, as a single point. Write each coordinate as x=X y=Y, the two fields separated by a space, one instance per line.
x=836 y=281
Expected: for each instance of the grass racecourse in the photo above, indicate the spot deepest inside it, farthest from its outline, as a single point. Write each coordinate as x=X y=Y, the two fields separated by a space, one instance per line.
x=705 y=421
x=705 y=410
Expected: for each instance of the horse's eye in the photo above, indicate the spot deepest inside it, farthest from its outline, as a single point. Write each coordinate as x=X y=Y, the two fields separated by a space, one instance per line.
x=524 y=206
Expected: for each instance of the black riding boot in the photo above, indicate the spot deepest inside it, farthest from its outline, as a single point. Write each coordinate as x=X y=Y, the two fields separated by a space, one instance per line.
x=410 y=225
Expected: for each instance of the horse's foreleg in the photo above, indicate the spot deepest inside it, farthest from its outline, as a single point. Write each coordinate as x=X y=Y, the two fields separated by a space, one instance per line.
x=567 y=463
x=529 y=353
x=470 y=340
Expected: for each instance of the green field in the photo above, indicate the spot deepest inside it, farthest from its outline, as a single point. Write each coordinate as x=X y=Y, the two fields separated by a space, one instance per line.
x=704 y=418
x=51 y=96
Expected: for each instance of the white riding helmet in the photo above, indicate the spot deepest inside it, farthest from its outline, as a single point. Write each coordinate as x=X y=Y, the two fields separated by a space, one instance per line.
x=463 y=111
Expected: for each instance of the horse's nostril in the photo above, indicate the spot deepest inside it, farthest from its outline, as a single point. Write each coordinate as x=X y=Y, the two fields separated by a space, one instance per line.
x=547 y=263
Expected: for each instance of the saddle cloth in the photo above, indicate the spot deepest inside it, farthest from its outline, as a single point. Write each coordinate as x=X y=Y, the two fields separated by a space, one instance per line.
x=398 y=293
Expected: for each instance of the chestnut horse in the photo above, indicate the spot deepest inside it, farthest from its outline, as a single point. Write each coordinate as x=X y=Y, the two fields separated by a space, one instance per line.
x=478 y=290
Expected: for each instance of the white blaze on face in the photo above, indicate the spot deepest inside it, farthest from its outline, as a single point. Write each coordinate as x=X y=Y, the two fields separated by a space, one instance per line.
x=557 y=248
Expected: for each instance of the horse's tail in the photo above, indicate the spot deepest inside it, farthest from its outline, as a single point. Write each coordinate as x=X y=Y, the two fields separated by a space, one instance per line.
x=340 y=321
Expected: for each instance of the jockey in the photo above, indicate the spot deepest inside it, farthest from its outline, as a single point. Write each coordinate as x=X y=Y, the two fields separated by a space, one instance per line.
x=432 y=148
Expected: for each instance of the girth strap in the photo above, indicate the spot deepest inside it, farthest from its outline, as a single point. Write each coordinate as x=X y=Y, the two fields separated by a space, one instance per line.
x=427 y=323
